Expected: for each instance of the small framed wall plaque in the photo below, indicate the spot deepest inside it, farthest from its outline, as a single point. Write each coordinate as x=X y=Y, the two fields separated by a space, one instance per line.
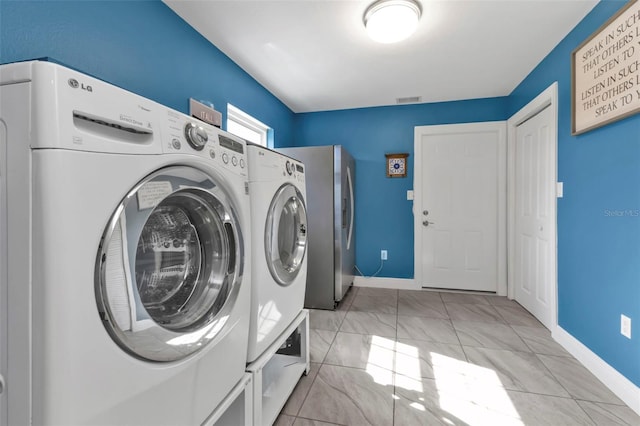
x=397 y=165
x=605 y=72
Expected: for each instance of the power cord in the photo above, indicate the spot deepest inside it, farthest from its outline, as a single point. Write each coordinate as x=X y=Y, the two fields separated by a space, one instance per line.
x=374 y=274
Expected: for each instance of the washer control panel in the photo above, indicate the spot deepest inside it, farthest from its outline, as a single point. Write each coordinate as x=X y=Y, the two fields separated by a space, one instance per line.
x=186 y=135
x=196 y=135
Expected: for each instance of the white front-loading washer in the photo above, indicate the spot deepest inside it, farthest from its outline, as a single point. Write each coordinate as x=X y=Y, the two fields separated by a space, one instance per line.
x=279 y=244
x=129 y=269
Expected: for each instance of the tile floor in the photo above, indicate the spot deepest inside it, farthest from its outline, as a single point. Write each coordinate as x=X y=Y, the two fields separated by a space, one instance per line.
x=402 y=358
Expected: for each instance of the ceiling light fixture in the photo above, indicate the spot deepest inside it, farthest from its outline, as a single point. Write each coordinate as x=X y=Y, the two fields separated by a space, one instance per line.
x=390 y=21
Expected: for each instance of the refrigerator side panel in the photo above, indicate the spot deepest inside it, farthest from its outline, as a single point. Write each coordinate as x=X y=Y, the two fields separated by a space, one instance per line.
x=318 y=162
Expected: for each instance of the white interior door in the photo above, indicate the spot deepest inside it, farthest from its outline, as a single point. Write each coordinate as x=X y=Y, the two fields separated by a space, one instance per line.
x=459 y=207
x=534 y=230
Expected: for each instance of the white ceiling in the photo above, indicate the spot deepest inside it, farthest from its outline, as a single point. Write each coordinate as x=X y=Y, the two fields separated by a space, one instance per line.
x=314 y=55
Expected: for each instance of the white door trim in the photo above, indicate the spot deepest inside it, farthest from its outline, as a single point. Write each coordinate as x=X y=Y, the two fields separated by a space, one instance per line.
x=502 y=197
x=548 y=98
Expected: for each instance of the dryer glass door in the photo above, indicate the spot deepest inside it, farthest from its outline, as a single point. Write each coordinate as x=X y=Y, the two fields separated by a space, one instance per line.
x=170 y=265
x=286 y=234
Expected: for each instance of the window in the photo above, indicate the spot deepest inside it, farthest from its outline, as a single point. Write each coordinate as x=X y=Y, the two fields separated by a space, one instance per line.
x=242 y=124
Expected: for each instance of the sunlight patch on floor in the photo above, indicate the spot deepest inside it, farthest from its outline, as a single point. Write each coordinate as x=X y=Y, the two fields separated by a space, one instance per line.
x=459 y=391
x=408 y=365
x=380 y=360
x=471 y=393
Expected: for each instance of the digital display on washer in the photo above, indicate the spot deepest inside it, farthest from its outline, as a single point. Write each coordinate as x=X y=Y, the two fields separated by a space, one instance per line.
x=299 y=168
x=231 y=144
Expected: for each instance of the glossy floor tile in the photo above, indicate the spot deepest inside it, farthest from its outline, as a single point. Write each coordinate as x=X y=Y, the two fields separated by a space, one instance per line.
x=350 y=396
x=326 y=320
x=361 y=351
x=418 y=358
x=471 y=312
x=609 y=414
x=521 y=371
x=539 y=340
x=347 y=300
x=430 y=329
x=580 y=383
x=517 y=315
x=466 y=298
x=368 y=302
x=370 y=323
x=489 y=335
x=404 y=358
x=422 y=308
x=319 y=343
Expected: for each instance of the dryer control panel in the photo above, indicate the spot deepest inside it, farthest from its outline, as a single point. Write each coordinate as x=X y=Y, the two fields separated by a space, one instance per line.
x=186 y=135
x=268 y=165
x=293 y=169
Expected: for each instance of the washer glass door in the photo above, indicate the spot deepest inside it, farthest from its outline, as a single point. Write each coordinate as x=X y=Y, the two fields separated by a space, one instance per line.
x=170 y=265
x=286 y=234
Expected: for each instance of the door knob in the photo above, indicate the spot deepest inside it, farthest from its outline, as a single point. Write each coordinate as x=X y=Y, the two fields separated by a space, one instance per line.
x=425 y=212
x=427 y=223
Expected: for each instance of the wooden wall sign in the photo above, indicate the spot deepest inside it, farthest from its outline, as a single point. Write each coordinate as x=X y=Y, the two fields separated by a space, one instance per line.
x=605 y=72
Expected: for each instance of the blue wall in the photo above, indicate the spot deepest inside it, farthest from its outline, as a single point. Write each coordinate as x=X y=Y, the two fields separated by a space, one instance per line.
x=383 y=215
x=142 y=46
x=599 y=215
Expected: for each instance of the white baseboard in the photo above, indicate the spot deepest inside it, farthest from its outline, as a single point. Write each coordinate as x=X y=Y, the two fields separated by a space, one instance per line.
x=381 y=282
x=616 y=382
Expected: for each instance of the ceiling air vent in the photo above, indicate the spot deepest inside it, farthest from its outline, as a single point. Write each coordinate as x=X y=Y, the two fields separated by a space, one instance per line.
x=409 y=100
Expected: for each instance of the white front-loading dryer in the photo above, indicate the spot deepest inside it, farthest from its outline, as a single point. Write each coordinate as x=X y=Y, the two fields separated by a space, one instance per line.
x=279 y=245
x=129 y=269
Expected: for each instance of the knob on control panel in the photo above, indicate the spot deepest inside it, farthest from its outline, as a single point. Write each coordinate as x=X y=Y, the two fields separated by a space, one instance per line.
x=195 y=135
x=289 y=167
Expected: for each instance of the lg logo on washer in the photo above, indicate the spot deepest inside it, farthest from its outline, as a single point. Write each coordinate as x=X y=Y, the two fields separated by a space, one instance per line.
x=75 y=84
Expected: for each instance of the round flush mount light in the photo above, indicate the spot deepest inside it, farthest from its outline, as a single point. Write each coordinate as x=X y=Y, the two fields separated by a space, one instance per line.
x=390 y=21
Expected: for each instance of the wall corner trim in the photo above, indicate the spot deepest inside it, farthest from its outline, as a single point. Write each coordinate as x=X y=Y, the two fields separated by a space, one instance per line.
x=381 y=282
x=622 y=387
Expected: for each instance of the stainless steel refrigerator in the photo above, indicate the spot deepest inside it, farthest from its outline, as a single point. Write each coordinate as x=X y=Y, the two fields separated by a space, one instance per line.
x=330 y=173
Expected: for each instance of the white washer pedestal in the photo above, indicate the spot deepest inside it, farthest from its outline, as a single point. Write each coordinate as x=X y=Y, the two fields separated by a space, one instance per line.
x=277 y=371
x=237 y=407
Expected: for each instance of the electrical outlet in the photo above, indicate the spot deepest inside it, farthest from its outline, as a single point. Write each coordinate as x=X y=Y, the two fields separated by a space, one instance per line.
x=383 y=255
x=625 y=326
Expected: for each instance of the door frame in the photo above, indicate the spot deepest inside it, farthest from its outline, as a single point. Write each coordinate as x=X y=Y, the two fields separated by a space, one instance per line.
x=548 y=98
x=500 y=126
